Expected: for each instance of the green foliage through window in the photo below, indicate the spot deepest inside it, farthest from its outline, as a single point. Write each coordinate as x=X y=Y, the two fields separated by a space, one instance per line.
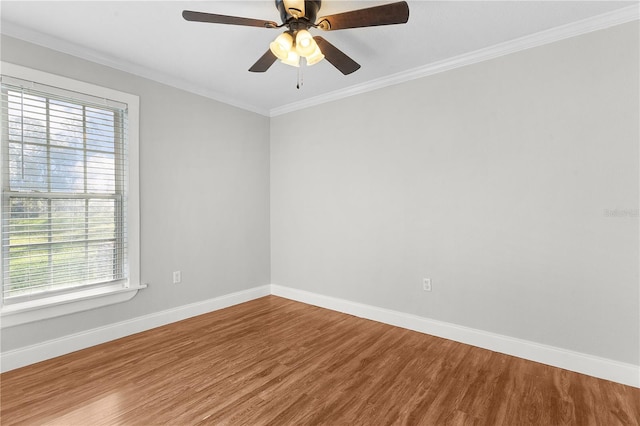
x=63 y=193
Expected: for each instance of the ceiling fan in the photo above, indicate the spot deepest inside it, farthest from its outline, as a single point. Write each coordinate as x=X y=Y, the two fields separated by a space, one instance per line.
x=296 y=42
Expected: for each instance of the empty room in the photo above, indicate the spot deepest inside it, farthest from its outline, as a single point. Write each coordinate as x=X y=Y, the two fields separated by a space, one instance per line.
x=297 y=212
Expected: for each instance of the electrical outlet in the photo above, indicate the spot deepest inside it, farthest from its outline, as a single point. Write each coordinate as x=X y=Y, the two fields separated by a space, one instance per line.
x=177 y=277
x=426 y=284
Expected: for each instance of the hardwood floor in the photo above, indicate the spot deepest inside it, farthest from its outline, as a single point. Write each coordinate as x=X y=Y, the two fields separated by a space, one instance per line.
x=273 y=361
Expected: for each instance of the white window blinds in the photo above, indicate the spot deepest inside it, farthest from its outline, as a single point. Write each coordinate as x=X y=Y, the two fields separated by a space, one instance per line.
x=64 y=190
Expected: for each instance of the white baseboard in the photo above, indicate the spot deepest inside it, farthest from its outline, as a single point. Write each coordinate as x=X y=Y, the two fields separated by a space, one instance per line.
x=50 y=349
x=627 y=374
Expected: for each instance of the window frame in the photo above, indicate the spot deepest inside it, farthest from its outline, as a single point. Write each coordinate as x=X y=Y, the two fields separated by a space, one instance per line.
x=85 y=298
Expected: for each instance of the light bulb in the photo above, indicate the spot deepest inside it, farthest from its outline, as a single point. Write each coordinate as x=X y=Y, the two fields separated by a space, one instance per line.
x=315 y=57
x=305 y=44
x=281 y=46
x=292 y=59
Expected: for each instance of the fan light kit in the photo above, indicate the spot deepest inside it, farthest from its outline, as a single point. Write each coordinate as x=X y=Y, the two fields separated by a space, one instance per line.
x=297 y=42
x=290 y=47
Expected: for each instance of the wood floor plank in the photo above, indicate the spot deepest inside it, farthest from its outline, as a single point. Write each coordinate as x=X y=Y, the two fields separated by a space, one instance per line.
x=273 y=361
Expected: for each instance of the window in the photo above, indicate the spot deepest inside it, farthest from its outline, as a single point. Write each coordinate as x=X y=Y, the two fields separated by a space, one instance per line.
x=64 y=193
x=67 y=225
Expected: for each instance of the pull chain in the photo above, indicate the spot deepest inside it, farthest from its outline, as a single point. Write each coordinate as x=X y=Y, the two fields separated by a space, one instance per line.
x=300 y=74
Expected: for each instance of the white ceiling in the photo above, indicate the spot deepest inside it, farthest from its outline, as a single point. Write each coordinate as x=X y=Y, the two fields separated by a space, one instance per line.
x=151 y=39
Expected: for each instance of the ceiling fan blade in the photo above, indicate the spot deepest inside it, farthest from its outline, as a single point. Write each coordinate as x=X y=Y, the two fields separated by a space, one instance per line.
x=264 y=63
x=388 y=14
x=336 y=57
x=213 y=18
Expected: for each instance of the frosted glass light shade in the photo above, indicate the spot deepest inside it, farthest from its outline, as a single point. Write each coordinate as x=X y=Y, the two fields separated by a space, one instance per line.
x=281 y=46
x=315 y=57
x=292 y=59
x=295 y=8
x=305 y=44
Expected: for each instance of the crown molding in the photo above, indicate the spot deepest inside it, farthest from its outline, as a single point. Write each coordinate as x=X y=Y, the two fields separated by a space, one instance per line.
x=17 y=31
x=595 y=23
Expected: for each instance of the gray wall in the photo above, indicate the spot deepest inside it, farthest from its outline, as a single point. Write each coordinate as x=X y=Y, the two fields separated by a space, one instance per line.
x=204 y=185
x=494 y=180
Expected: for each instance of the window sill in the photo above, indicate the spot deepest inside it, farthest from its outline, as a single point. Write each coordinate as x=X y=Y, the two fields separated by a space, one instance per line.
x=37 y=310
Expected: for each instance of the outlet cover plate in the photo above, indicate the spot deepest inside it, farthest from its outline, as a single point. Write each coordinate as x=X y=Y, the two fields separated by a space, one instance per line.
x=426 y=284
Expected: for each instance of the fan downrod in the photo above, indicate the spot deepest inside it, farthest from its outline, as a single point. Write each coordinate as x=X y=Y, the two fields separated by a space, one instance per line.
x=311 y=8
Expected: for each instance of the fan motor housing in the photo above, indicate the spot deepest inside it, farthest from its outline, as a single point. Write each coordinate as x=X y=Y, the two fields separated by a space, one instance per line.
x=311 y=8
